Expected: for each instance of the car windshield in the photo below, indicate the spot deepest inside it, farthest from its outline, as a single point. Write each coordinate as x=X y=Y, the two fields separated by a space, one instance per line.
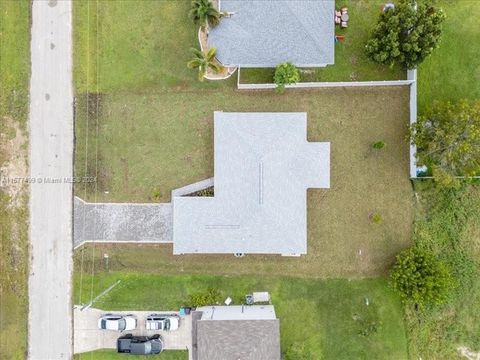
x=166 y=324
x=122 y=324
x=144 y=348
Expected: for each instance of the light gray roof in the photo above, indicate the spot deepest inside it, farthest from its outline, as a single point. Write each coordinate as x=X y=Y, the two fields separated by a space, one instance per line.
x=263 y=167
x=265 y=33
x=238 y=312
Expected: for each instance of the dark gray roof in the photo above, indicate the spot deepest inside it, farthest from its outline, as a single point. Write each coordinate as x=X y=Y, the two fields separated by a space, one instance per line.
x=263 y=168
x=265 y=33
x=238 y=339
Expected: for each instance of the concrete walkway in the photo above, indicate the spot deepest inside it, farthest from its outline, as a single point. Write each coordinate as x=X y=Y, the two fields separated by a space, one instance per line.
x=122 y=222
x=88 y=337
x=51 y=153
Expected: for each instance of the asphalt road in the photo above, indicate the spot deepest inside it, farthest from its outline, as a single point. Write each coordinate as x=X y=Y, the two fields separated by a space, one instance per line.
x=51 y=161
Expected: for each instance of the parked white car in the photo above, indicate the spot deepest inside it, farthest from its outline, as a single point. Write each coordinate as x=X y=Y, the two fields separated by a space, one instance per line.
x=117 y=322
x=162 y=322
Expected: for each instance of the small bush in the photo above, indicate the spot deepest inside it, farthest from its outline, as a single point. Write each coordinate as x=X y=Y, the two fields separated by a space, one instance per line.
x=421 y=279
x=285 y=74
x=210 y=191
x=210 y=297
x=376 y=218
x=378 y=145
x=156 y=195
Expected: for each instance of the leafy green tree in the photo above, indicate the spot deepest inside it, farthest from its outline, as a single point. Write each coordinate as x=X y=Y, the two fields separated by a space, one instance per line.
x=204 y=60
x=203 y=13
x=420 y=278
x=285 y=74
x=448 y=140
x=406 y=34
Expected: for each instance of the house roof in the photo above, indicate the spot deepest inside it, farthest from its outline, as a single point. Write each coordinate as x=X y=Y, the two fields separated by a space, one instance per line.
x=235 y=336
x=265 y=33
x=263 y=167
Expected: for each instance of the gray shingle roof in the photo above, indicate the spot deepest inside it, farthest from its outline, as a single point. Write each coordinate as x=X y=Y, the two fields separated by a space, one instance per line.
x=265 y=33
x=263 y=167
x=238 y=340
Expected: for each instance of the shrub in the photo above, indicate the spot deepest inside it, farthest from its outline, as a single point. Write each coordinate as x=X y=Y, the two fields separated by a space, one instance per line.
x=406 y=35
x=376 y=218
x=378 y=145
x=156 y=195
x=210 y=297
x=420 y=278
x=285 y=74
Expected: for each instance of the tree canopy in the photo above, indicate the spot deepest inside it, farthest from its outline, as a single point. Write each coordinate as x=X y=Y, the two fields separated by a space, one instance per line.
x=448 y=140
x=204 y=60
x=406 y=34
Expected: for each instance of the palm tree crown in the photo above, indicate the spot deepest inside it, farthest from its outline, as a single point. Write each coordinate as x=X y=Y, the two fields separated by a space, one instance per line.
x=203 y=60
x=204 y=13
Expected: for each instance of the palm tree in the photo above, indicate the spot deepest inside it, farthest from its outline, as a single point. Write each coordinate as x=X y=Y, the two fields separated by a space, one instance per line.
x=203 y=60
x=203 y=13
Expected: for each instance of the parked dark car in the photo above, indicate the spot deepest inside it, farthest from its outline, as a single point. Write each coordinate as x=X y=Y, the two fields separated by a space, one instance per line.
x=140 y=345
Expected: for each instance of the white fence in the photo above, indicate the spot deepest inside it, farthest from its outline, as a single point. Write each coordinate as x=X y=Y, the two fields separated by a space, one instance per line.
x=411 y=81
x=318 y=85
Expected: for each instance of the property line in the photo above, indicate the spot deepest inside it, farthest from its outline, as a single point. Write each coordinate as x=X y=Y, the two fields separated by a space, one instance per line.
x=86 y=151
x=96 y=147
x=103 y=293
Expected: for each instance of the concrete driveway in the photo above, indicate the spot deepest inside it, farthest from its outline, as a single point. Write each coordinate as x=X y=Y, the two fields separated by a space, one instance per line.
x=87 y=336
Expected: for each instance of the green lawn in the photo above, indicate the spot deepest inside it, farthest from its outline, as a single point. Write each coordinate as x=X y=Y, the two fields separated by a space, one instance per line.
x=351 y=63
x=113 y=355
x=453 y=70
x=150 y=144
x=120 y=45
x=325 y=318
x=14 y=73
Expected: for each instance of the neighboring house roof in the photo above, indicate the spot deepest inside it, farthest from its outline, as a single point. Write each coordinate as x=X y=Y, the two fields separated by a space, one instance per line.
x=237 y=338
x=263 y=167
x=265 y=33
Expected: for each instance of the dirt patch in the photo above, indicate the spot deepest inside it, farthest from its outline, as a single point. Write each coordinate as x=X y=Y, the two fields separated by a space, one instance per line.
x=125 y=173
x=14 y=170
x=467 y=353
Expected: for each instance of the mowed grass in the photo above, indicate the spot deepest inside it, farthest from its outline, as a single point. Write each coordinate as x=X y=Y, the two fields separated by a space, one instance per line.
x=149 y=144
x=113 y=355
x=452 y=72
x=14 y=72
x=136 y=46
x=324 y=318
x=351 y=62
